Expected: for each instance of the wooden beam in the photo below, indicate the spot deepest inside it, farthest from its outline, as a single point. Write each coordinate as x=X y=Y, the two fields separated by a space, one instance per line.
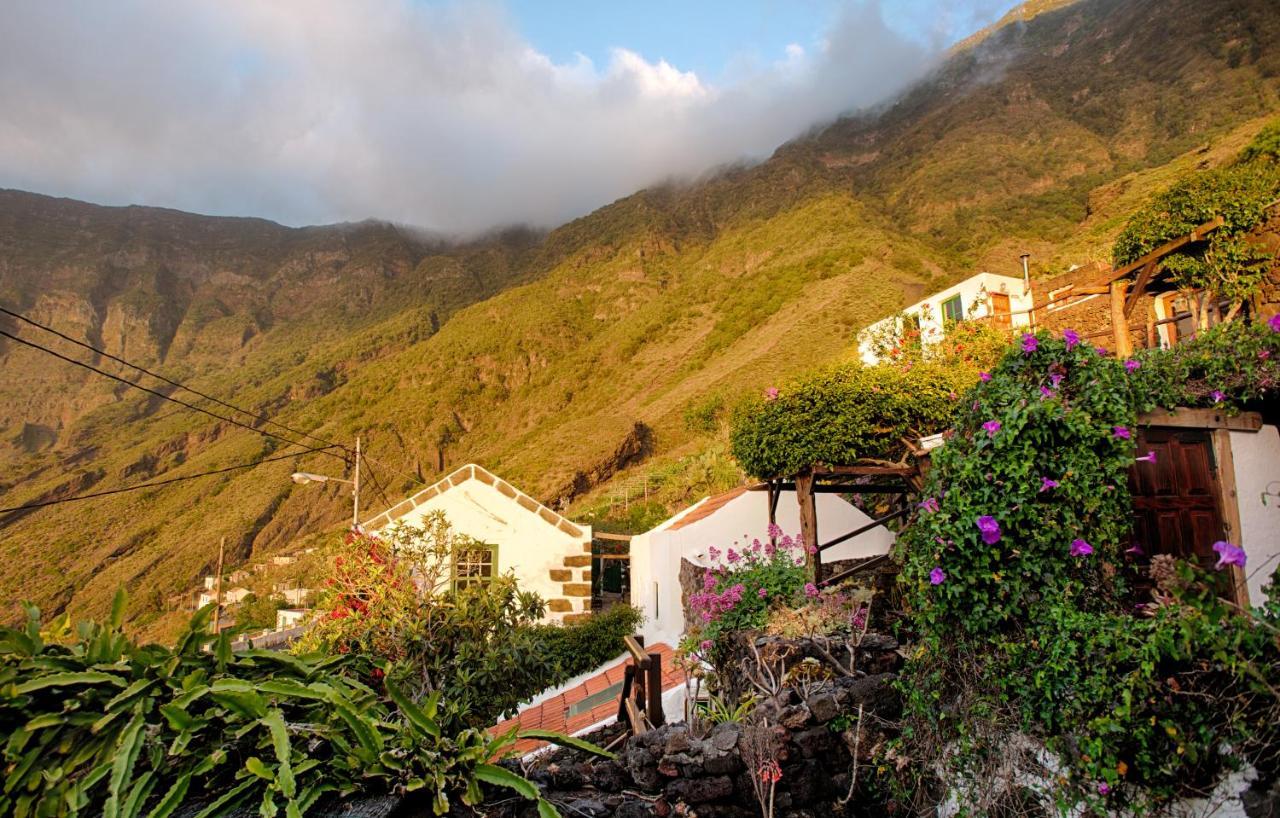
x=636 y=648
x=600 y=535
x=869 y=471
x=1139 y=286
x=1202 y=419
x=808 y=523
x=1119 y=322
x=902 y=512
x=1227 y=499
x=873 y=562
x=1168 y=247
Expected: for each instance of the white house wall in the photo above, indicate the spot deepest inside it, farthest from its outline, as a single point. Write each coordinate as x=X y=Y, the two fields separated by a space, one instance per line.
x=1257 y=466
x=972 y=291
x=527 y=545
x=656 y=555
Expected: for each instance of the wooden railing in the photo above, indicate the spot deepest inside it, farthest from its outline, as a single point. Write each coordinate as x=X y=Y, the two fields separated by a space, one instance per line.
x=640 y=705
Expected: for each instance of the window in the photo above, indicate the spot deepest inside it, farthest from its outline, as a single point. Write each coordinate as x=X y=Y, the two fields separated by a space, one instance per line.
x=952 y=310
x=473 y=564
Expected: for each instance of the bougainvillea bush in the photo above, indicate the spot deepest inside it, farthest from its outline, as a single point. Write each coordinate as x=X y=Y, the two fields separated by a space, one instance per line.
x=1017 y=572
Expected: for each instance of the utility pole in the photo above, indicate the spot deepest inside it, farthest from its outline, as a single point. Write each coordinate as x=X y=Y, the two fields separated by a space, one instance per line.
x=217 y=584
x=355 y=490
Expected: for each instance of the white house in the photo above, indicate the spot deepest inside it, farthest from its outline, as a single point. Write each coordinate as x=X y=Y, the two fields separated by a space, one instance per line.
x=548 y=554
x=1004 y=300
x=738 y=516
x=231 y=596
x=291 y=617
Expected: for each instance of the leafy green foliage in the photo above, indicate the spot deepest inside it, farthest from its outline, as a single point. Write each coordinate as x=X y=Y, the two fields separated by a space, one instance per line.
x=577 y=647
x=1017 y=578
x=98 y=724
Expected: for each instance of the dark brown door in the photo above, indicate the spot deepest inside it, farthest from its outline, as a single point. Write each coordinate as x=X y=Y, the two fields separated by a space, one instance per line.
x=1175 y=499
x=1001 y=316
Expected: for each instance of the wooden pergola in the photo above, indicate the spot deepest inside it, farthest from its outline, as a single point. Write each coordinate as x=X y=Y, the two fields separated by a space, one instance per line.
x=899 y=483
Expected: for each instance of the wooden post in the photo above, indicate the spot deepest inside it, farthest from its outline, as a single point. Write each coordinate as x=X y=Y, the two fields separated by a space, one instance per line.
x=628 y=679
x=653 y=708
x=217 y=584
x=808 y=523
x=1119 y=321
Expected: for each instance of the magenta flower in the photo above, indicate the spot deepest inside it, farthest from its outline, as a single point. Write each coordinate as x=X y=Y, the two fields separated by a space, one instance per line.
x=992 y=426
x=1135 y=550
x=990 y=529
x=1149 y=457
x=1217 y=396
x=1264 y=354
x=1274 y=322
x=1055 y=379
x=732 y=556
x=930 y=504
x=713 y=553
x=1046 y=392
x=708 y=581
x=1071 y=337
x=811 y=590
x=1132 y=366
x=775 y=531
x=1080 y=548
x=1228 y=554
x=984 y=376
x=705 y=645
x=937 y=576
x=1104 y=788
x=771 y=393
x=1046 y=484
x=1030 y=343
x=1121 y=432
x=1101 y=351
x=762 y=593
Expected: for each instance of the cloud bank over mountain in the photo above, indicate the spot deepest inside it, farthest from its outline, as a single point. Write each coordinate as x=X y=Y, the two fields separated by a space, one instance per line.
x=311 y=111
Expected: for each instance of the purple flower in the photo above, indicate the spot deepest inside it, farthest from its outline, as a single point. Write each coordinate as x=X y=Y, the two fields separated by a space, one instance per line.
x=1135 y=550
x=1132 y=366
x=762 y=593
x=1274 y=323
x=811 y=590
x=708 y=581
x=1217 y=396
x=1080 y=548
x=1228 y=554
x=1030 y=343
x=984 y=376
x=992 y=426
x=713 y=553
x=1149 y=457
x=1104 y=788
x=990 y=529
x=732 y=556
x=937 y=576
x=1264 y=354
x=1055 y=379
x=771 y=393
x=1121 y=432
x=1046 y=484
x=931 y=504
x=1100 y=350
x=705 y=645
x=775 y=531
x=1046 y=392
x=1071 y=337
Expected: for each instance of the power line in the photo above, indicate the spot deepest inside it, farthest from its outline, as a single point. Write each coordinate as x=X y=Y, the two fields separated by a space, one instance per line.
x=377 y=484
x=163 y=396
x=165 y=482
x=159 y=377
x=412 y=477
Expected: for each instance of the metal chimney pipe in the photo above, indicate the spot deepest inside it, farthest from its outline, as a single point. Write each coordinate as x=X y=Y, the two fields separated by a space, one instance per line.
x=1026 y=274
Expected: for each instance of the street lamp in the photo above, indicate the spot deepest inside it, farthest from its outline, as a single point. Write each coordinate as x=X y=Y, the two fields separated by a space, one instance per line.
x=304 y=477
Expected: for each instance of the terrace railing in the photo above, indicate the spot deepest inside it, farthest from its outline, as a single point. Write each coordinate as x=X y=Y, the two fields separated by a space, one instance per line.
x=640 y=705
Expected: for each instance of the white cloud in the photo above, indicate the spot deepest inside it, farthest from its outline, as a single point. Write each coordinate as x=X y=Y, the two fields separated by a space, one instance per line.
x=319 y=110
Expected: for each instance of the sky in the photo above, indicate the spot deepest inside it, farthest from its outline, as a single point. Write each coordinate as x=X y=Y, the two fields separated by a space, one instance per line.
x=451 y=116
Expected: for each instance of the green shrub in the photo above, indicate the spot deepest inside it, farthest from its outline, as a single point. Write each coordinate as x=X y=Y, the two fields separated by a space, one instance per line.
x=844 y=413
x=584 y=645
x=97 y=724
x=704 y=415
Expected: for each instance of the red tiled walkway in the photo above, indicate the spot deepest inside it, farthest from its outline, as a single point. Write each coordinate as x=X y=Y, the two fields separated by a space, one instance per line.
x=553 y=714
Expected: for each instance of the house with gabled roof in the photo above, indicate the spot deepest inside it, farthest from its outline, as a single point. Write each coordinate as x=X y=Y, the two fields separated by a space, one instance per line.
x=549 y=554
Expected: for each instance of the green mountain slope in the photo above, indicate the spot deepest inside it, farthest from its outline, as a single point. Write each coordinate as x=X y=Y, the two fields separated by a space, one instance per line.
x=568 y=362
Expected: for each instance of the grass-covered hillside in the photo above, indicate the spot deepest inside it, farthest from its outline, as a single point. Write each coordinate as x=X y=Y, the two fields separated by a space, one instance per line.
x=607 y=349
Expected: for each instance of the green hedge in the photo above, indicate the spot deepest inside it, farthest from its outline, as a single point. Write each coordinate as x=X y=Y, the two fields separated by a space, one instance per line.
x=844 y=413
x=581 y=646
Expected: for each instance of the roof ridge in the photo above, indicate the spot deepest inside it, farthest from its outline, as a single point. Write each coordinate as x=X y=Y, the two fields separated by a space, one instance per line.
x=474 y=471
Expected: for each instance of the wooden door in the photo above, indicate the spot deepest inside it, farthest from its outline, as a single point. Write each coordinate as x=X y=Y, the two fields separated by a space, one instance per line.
x=1001 y=315
x=1175 y=499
